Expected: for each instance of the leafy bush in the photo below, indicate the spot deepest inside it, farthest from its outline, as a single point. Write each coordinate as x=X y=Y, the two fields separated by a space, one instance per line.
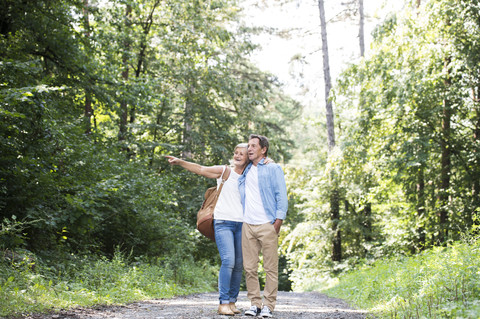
x=438 y=283
x=87 y=281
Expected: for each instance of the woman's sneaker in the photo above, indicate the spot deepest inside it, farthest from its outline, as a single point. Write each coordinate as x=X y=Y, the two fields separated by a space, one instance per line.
x=266 y=313
x=253 y=311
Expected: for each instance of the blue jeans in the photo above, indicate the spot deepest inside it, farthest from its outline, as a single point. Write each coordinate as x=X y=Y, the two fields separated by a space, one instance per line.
x=228 y=236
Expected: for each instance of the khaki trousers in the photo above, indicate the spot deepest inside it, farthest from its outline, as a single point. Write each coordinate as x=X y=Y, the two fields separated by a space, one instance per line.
x=256 y=239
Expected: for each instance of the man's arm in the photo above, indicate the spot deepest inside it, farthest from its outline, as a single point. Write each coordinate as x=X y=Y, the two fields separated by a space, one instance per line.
x=277 y=224
x=207 y=171
x=281 y=198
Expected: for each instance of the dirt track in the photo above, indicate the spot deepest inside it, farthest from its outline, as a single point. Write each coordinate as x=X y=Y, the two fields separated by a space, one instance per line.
x=290 y=305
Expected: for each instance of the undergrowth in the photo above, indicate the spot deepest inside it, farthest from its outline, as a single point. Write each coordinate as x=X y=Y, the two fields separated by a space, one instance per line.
x=439 y=283
x=28 y=287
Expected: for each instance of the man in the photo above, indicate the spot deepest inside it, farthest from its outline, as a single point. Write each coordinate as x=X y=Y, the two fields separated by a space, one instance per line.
x=264 y=197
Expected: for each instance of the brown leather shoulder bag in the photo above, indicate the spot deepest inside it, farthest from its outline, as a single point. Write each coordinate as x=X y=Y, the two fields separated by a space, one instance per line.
x=205 y=214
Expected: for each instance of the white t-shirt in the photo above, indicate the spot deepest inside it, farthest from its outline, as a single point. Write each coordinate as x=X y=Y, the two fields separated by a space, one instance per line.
x=229 y=205
x=254 y=210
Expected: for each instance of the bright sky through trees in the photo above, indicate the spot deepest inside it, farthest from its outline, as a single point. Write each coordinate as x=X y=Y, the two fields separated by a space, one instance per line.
x=292 y=51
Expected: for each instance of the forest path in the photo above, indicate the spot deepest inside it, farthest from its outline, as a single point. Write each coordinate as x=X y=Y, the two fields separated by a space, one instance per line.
x=290 y=305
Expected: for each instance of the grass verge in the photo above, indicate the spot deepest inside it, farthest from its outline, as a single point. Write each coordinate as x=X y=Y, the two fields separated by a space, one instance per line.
x=84 y=282
x=443 y=282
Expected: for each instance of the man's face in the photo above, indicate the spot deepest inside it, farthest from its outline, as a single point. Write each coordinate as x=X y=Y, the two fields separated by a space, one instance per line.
x=255 y=152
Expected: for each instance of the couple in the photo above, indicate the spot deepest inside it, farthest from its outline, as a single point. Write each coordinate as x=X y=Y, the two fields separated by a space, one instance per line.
x=247 y=218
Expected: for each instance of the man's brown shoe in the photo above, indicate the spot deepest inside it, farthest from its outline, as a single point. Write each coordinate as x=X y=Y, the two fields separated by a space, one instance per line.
x=224 y=309
x=234 y=308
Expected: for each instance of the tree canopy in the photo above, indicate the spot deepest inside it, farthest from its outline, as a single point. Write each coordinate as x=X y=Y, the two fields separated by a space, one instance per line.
x=93 y=94
x=408 y=145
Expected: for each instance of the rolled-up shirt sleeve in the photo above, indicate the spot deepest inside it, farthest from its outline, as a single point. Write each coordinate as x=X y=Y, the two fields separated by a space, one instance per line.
x=281 y=197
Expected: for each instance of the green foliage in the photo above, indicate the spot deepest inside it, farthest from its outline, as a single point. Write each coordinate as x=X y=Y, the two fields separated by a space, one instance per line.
x=438 y=283
x=406 y=165
x=94 y=93
x=308 y=244
x=415 y=117
x=13 y=233
x=74 y=281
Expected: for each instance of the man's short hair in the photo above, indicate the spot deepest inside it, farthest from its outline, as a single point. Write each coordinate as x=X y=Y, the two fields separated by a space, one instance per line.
x=263 y=141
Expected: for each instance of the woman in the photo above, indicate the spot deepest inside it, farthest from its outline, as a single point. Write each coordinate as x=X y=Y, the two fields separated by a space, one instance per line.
x=228 y=219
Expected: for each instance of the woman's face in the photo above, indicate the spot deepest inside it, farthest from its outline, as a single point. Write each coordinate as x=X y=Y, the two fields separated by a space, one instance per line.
x=240 y=156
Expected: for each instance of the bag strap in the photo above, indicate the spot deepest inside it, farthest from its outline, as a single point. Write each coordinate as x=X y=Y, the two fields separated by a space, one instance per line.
x=224 y=179
x=225 y=175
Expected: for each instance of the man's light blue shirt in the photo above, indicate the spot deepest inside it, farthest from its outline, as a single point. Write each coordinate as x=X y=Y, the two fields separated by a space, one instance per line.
x=273 y=190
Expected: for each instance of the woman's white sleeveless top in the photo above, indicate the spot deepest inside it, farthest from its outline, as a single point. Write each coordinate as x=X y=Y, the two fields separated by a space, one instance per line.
x=229 y=205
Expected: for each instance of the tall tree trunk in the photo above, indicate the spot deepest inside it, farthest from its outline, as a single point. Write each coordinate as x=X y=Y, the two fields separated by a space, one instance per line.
x=187 y=123
x=122 y=134
x=445 y=146
x=361 y=29
x=335 y=194
x=367 y=211
x=147 y=26
x=88 y=110
x=367 y=222
x=476 y=170
x=335 y=218
x=155 y=130
x=327 y=78
x=88 y=113
x=421 y=206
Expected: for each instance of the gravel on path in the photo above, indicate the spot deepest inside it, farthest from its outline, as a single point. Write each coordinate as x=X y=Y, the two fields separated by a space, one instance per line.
x=290 y=305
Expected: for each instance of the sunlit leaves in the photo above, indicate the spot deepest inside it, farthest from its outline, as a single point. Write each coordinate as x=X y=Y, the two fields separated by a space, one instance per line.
x=150 y=58
x=391 y=111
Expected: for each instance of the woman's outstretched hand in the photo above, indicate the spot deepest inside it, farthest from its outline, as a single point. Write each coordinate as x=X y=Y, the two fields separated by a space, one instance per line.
x=173 y=160
x=209 y=172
